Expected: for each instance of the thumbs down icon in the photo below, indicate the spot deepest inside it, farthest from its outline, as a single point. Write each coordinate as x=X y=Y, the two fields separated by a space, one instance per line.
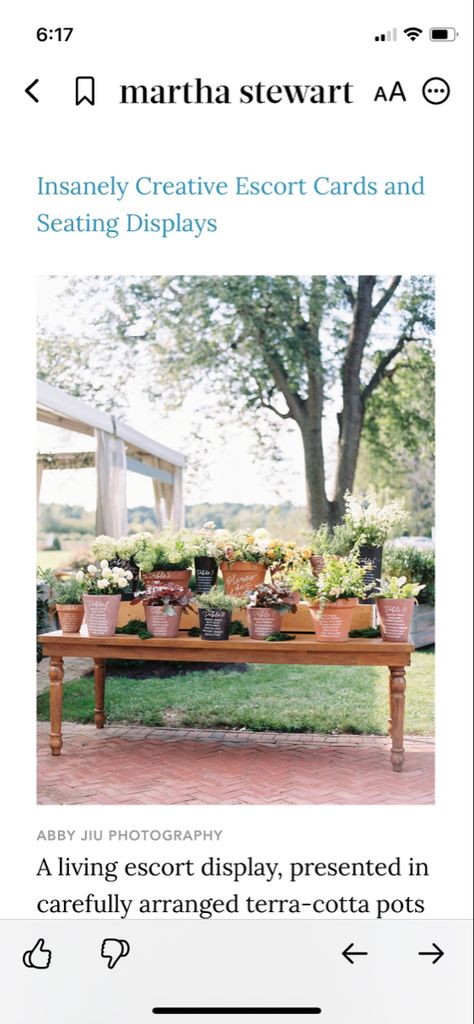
x=113 y=950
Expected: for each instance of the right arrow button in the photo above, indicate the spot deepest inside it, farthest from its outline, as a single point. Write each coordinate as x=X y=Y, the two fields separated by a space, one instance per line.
x=436 y=953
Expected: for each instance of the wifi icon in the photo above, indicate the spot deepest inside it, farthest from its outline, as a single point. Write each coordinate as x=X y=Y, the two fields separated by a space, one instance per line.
x=413 y=33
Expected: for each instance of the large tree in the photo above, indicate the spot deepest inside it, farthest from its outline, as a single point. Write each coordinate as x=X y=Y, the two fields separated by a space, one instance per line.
x=285 y=348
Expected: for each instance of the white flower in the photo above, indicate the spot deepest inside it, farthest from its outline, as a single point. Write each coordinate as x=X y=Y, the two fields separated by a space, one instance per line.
x=117 y=571
x=209 y=526
x=92 y=569
x=102 y=584
x=104 y=564
x=129 y=575
x=122 y=582
x=79 y=576
x=107 y=574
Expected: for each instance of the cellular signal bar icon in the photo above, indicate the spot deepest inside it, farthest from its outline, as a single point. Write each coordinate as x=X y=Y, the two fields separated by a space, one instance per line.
x=387 y=37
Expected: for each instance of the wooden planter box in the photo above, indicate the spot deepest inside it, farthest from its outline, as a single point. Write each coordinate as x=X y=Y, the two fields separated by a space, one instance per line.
x=299 y=623
x=422 y=632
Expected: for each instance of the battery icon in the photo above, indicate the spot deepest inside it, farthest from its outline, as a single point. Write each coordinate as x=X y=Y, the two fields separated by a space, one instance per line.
x=443 y=35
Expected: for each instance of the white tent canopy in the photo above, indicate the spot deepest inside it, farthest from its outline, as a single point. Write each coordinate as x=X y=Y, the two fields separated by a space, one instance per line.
x=118 y=448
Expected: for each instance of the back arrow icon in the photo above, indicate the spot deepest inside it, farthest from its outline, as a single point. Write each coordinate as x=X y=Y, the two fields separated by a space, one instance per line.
x=30 y=93
x=349 y=952
x=436 y=953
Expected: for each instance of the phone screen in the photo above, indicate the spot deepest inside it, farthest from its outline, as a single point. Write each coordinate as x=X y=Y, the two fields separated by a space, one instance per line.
x=236 y=610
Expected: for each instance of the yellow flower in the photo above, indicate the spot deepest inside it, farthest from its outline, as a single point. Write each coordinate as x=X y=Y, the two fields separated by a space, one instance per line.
x=306 y=552
x=250 y=538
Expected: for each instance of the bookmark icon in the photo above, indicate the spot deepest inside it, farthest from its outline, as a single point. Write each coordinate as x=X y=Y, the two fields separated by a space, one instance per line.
x=85 y=90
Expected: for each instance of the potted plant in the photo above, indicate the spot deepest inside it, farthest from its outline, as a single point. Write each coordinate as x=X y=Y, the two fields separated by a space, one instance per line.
x=206 y=566
x=243 y=559
x=333 y=595
x=122 y=553
x=418 y=565
x=396 y=599
x=166 y=559
x=164 y=607
x=215 y=613
x=67 y=594
x=265 y=607
x=103 y=588
x=285 y=555
x=369 y=526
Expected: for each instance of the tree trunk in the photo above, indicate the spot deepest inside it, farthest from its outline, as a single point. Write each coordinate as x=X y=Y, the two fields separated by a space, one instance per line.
x=316 y=499
x=351 y=418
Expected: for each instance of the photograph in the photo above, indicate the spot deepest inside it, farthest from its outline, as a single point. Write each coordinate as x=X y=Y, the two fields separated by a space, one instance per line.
x=235 y=540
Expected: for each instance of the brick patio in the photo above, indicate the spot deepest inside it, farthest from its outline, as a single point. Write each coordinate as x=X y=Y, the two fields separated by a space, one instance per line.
x=139 y=765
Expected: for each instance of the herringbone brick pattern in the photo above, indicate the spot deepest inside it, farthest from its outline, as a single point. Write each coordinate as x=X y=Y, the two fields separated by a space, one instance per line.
x=140 y=765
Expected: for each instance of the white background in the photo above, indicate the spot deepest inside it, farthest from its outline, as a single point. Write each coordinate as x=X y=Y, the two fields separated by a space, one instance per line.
x=271 y=42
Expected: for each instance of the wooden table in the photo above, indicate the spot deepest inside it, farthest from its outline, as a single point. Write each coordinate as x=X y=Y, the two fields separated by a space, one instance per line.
x=303 y=650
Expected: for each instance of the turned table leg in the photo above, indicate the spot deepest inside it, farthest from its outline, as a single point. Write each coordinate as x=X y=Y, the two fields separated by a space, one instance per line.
x=56 y=676
x=397 y=716
x=99 y=687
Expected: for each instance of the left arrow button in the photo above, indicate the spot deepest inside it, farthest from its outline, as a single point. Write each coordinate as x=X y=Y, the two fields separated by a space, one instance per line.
x=29 y=89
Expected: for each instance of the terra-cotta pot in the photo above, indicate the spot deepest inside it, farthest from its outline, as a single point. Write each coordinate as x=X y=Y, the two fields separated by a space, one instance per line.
x=317 y=564
x=159 y=624
x=70 y=617
x=214 y=623
x=395 y=616
x=205 y=571
x=262 y=622
x=242 y=577
x=178 y=577
x=101 y=612
x=332 y=625
x=370 y=554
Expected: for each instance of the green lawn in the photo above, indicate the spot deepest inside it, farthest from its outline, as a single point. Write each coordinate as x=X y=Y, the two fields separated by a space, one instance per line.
x=266 y=697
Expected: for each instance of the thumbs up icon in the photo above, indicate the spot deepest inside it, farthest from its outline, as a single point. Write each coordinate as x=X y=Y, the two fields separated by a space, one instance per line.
x=113 y=950
x=38 y=957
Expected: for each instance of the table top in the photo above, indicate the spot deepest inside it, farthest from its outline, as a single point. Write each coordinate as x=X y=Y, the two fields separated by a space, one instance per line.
x=304 y=649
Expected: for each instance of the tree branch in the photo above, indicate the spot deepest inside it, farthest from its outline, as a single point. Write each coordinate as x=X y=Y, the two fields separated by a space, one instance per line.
x=347 y=290
x=294 y=402
x=381 y=372
x=387 y=295
x=283 y=415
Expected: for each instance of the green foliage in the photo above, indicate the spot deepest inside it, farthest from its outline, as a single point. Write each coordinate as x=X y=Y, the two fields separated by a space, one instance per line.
x=218 y=599
x=336 y=541
x=371 y=633
x=136 y=627
x=340 y=579
x=415 y=564
x=237 y=628
x=170 y=553
x=276 y=595
x=278 y=638
x=369 y=523
x=68 y=591
x=42 y=611
x=61 y=519
x=395 y=588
